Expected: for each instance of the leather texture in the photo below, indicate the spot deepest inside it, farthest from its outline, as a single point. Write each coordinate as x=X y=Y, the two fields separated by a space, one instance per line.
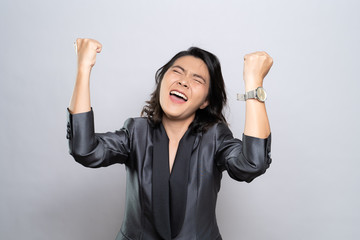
x=135 y=145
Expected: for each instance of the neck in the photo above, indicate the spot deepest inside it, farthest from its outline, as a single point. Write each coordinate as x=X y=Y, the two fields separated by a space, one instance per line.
x=175 y=129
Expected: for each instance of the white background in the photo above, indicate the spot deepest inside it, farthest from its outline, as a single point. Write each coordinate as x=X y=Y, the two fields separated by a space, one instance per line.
x=311 y=190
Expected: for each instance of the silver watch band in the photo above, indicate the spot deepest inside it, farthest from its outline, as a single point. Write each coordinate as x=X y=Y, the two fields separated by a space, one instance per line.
x=246 y=96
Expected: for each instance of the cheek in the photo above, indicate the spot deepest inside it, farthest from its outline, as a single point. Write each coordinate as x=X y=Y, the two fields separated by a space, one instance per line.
x=204 y=92
x=161 y=94
x=170 y=78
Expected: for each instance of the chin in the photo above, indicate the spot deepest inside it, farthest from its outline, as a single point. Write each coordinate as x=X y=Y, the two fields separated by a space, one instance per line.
x=177 y=112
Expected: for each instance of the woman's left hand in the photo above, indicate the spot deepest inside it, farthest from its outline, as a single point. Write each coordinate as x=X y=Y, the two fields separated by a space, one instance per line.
x=256 y=67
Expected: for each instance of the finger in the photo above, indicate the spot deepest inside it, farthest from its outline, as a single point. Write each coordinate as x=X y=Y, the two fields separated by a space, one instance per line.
x=78 y=42
x=246 y=56
x=96 y=45
x=99 y=48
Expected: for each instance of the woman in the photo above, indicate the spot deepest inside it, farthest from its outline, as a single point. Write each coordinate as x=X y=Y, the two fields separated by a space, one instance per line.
x=176 y=152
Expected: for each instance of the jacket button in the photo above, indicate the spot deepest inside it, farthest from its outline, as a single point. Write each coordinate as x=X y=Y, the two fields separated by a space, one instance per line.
x=68 y=130
x=68 y=124
x=68 y=136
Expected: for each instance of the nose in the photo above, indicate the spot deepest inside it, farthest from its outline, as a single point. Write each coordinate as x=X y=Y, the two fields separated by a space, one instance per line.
x=184 y=82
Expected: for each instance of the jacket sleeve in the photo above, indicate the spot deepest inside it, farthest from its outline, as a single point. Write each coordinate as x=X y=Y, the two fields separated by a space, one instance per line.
x=97 y=149
x=244 y=160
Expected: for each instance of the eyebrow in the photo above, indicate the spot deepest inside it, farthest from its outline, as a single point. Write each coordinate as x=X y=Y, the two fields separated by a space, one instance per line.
x=195 y=75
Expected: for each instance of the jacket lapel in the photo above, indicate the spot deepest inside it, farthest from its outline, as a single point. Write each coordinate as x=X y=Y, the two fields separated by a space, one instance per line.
x=169 y=192
x=179 y=182
x=160 y=185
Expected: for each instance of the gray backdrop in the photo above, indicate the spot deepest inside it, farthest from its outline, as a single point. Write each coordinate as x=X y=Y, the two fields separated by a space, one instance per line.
x=311 y=191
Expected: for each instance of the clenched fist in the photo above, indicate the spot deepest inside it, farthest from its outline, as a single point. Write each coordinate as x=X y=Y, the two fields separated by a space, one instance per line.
x=86 y=52
x=256 y=67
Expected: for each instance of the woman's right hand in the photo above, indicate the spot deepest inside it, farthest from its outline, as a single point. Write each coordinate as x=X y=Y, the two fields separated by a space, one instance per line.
x=86 y=52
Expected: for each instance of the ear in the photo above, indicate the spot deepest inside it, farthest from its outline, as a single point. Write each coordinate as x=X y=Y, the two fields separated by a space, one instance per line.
x=204 y=105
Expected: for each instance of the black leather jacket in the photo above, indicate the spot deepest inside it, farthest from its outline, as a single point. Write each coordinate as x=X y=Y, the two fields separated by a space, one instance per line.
x=212 y=152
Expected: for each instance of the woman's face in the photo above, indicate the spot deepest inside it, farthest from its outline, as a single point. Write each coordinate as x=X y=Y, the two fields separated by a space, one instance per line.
x=184 y=88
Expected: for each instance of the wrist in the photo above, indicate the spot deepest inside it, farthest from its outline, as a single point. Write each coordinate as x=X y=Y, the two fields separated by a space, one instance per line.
x=84 y=69
x=252 y=82
x=83 y=76
x=250 y=87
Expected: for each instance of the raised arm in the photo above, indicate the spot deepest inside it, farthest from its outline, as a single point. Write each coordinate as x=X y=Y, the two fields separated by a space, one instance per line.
x=86 y=52
x=247 y=159
x=256 y=67
x=87 y=147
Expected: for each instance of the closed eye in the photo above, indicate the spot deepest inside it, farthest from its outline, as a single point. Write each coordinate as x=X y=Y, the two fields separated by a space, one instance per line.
x=178 y=69
x=199 y=80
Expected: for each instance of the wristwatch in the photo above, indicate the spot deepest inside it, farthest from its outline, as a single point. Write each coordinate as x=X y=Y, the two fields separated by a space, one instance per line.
x=259 y=94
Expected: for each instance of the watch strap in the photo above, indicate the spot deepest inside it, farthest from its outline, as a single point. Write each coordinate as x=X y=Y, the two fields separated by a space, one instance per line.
x=240 y=97
x=247 y=95
x=250 y=94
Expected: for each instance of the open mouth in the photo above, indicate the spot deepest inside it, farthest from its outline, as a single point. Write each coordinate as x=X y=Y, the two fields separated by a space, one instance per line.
x=179 y=95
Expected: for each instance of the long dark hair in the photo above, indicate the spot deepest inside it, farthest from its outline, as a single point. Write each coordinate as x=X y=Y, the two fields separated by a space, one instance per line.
x=204 y=118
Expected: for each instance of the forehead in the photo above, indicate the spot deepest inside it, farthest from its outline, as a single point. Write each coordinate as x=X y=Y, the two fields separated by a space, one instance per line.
x=193 y=65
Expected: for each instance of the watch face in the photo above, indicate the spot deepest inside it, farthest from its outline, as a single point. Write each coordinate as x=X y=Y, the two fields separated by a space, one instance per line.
x=261 y=94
